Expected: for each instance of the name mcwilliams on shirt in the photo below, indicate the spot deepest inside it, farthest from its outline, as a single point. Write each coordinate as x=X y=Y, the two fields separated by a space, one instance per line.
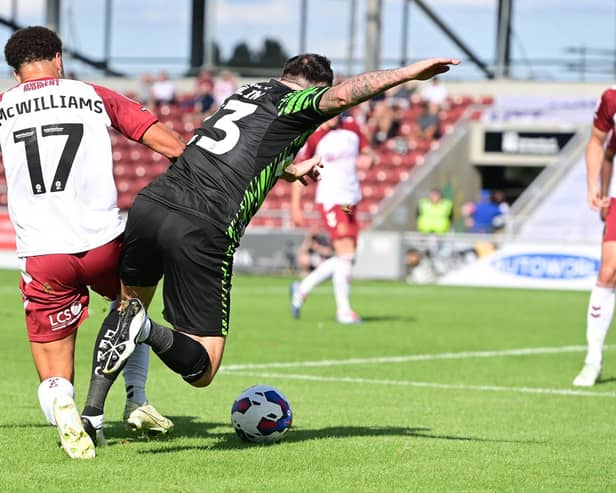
x=50 y=102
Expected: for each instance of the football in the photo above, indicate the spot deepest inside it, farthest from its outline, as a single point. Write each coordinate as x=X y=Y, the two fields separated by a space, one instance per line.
x=261 y=414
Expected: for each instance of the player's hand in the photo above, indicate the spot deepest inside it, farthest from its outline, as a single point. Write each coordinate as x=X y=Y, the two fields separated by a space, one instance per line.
x=596 y=201
x=299 y=171
x=365 y=161
x=426 y=69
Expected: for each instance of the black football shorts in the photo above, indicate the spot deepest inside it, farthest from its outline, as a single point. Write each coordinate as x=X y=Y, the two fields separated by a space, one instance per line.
x=195 y=258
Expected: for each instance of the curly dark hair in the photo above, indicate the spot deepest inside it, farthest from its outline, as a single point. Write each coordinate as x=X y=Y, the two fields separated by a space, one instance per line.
x=31 y=44
x=316 y=69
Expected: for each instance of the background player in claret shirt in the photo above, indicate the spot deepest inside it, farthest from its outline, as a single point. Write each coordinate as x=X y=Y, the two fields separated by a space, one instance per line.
x=601 y=198
x=62 y=202
x=342 y=146
x=188 y=222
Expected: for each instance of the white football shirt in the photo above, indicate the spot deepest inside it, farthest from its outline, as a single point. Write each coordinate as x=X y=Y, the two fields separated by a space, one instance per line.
x=57 y=156
x=338 y=148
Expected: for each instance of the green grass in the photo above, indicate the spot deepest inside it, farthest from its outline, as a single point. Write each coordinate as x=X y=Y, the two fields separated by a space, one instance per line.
x=367 y=426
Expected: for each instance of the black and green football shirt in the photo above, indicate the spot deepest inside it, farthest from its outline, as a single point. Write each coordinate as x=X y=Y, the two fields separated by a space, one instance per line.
x=237 y=155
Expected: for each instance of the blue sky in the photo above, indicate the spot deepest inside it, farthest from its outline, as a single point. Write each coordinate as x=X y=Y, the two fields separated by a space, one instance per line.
x=160 y=28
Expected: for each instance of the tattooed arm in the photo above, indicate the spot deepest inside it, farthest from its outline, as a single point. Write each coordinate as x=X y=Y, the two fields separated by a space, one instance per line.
x=363 y=86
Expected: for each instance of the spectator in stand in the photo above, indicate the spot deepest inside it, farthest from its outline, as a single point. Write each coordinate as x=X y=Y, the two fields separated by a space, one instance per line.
x=401 y=96
x=484 y=213
x=204 y=103
x=498 y=197
x=144 y=94
x=388 y=122
x=428 y=124
x=314 y=250
x=376 y=113
x=163 y=90
x=434 y=213
x=224 y=86
x=434 y=92
x=205 y=76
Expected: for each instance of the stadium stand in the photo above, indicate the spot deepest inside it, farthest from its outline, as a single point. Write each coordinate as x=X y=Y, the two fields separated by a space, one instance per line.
x=396 y=159
x=135 y=166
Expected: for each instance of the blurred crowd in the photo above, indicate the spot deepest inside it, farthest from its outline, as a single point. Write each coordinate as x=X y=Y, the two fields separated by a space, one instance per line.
x=209 y=91
x=402 y=119
x=435 y=213
x=406 y=117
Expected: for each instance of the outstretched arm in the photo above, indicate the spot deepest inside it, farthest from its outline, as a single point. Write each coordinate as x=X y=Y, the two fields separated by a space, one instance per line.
x=364 y=86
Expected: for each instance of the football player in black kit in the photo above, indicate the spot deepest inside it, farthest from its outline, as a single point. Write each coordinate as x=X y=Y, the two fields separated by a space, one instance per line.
x=187 y=224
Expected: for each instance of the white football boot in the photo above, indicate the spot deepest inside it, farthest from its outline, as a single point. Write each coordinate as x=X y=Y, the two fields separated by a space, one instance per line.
x=74 y=439
x=348 y=318
x=588 y=376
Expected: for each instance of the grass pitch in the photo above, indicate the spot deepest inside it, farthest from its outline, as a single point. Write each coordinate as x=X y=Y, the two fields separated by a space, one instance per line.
x=440 y=389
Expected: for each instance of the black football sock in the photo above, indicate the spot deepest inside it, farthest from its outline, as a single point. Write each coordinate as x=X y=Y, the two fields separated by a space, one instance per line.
x=180 y=353
x=100 y=382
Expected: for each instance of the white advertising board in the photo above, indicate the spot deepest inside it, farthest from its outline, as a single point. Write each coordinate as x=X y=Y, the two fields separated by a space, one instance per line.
x=535 y=265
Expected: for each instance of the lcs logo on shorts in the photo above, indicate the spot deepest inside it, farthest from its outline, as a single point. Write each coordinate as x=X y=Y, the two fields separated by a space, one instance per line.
x=66 y=317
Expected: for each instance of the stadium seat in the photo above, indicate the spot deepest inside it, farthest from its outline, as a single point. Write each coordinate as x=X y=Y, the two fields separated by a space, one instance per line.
x=308 y=206
x=123 y=185
x=486 y=100
x=119 y=170
x=271 y=203
x=140 y=171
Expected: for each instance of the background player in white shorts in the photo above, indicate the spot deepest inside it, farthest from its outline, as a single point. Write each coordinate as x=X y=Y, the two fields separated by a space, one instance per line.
x=601 y=198
x=63 y=204
x=342 y=147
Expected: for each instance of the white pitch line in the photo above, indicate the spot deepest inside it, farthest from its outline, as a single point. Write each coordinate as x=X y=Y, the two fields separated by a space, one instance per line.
x=407 y=358
x=447 y=386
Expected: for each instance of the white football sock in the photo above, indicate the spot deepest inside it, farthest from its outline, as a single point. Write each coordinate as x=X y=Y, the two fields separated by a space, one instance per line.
x=136 y=372
x=48 y=390
x=96 y=421
x=599 y=319
x=323 y=271
x=342 y=282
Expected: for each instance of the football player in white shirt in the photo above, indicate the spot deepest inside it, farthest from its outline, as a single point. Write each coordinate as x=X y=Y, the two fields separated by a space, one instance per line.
x=63 y=204
x=342 y=147
x=601 y=197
